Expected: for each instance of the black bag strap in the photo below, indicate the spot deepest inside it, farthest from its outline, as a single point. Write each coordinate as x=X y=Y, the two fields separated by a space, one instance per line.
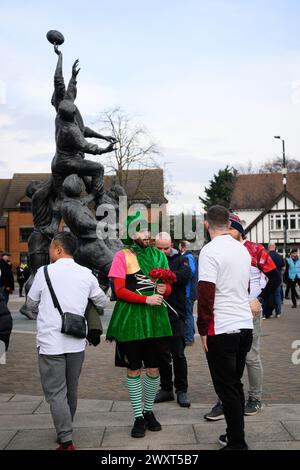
x=54 y=298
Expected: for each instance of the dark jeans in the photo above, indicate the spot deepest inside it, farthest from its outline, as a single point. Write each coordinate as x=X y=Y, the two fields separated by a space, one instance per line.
x=189 y=322
x=277 y=301
x=226 y=359
x=293 y=290
x=175 y=354
x=21 y=285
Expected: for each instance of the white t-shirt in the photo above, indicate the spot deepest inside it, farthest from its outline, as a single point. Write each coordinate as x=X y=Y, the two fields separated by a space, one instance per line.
x=227 y=263
x=73 y=285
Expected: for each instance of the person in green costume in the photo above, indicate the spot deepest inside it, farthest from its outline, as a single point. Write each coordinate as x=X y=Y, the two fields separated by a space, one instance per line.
x=139 y=323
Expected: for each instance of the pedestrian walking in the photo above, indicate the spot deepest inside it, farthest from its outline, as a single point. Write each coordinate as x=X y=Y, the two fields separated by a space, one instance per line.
x=61 y=355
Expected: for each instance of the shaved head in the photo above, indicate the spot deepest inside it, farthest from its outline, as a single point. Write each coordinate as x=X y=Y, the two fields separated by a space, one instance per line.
x=163 y=242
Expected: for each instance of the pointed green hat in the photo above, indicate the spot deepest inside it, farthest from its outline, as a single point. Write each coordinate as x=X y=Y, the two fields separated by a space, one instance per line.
x=134 y=223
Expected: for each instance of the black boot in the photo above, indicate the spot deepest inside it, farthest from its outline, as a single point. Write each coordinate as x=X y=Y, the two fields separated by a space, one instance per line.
x=151 y=422
x=139 y=427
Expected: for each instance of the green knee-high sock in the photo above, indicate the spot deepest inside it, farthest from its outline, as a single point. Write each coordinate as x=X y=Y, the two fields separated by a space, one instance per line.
x=135 y=389
x=150 y=388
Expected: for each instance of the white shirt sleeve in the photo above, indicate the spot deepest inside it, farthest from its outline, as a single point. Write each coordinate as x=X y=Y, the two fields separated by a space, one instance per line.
x=37 y=285
x=208 y=268
x=96 y=293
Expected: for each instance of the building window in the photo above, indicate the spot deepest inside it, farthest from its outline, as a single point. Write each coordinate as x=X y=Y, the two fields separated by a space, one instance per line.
x=25 y=232
x=25 y=206
x=277 y=222
x=292 y=222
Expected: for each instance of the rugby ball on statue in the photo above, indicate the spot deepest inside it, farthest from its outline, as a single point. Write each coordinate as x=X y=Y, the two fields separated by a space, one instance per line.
x=55 y=37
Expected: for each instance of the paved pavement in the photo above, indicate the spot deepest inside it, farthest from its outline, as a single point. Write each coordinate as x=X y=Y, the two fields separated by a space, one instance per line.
x=104 y=413
x=103 y=424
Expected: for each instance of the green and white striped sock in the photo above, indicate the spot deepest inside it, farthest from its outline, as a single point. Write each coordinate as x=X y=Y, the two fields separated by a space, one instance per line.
x=150 y=388
x=135 y=390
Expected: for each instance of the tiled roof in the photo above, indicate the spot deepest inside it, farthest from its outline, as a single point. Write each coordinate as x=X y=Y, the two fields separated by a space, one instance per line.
x=258 y=191
x=143 y=185
x=4 y=185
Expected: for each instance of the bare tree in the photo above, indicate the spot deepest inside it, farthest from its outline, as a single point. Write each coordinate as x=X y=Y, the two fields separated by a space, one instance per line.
x=135 y=148
x=275 y=165
x=269 y=166
x=247 y=169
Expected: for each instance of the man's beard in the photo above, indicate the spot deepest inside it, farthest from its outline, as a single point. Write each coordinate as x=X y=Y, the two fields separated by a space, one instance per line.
x=142 y=243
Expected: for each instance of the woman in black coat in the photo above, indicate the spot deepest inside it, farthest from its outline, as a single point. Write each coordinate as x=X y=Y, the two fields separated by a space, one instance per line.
x=5 y=322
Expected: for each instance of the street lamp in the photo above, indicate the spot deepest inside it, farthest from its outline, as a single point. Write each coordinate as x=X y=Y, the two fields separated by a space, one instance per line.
x=284 y=181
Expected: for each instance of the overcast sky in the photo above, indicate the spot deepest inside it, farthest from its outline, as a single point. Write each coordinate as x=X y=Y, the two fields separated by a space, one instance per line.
x=212 y=80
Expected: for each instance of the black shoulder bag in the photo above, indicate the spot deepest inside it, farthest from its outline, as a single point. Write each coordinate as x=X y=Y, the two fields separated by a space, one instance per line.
x=72 y=323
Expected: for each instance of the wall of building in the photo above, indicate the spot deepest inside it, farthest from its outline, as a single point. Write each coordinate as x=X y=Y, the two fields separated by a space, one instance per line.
x=17 y=220
x=262 y=233
x=2 y=239
x=247 y=216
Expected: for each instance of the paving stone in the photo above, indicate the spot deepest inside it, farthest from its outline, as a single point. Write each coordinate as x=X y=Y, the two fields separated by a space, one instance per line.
x=83 y=406
x=25 y=421
x=137 y=444
x=208 y=433
x=180 y=415
x=266 y=431
x=293 y=427
x=121 y=406
x=179 y=434
x=33 y=439
x=88 y=437
x=86 y=420
x=26 y=398
x=7 y=408
x=5 y=437
x=276 y=412
x=5 y=396
x=46 y=439
x=281 y=445
x=187 y=447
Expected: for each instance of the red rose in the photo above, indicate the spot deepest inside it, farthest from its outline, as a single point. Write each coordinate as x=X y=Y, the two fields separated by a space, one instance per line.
x=164 y=275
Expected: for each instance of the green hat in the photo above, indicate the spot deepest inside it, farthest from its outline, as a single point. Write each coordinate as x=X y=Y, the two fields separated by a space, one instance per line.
x=134 y=223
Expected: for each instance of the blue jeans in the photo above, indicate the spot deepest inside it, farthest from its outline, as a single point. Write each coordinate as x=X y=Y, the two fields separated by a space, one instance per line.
x=277 y=301
x=189 y=321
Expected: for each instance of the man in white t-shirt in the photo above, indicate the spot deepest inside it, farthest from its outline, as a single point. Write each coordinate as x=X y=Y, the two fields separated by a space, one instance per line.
x=225 y=319
x=262 y=268
x=61 y=356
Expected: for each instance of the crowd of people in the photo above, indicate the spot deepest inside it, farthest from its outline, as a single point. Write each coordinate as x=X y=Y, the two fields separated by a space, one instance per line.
x=236 y=283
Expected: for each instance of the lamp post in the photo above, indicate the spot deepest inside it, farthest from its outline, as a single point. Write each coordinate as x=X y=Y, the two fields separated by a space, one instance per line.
x=284 y=182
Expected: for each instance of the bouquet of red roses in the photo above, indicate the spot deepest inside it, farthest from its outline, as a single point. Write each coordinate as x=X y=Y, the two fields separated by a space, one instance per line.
x=161 y=275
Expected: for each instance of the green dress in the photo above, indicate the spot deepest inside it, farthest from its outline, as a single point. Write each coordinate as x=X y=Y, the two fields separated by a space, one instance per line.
x=133 y=321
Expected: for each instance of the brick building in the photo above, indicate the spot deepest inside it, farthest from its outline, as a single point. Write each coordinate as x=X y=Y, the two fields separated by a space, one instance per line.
x=142 y=186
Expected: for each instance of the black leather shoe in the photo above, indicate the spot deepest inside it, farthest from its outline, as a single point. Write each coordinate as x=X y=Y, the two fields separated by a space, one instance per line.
x=163 y=395
x=151 y=422
x=182 y=399
x=139 y=427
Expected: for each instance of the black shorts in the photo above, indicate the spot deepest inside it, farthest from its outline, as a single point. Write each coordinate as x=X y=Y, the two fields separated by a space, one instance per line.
x=137 y=354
